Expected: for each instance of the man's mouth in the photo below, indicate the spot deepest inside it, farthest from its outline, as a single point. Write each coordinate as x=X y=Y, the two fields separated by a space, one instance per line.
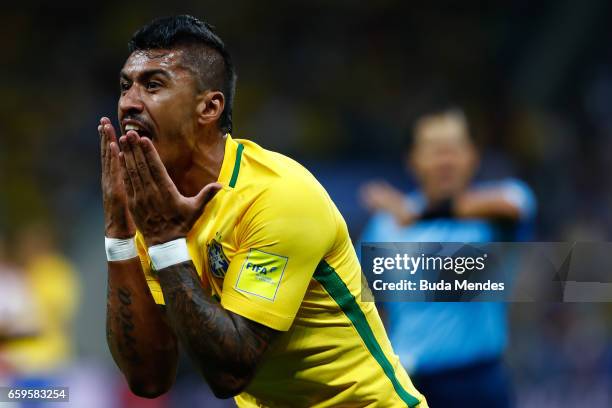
x=138 y=129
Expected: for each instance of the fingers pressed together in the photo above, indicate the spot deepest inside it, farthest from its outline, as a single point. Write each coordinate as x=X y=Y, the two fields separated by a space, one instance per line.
x=144 y=171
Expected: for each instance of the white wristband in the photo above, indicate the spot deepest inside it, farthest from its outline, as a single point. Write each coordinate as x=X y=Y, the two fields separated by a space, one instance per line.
x=118 y=249
x=169 y=253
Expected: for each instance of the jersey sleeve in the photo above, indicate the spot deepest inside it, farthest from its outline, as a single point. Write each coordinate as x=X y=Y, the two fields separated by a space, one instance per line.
x=282 y=238
x=145 y=261
x=519 y=194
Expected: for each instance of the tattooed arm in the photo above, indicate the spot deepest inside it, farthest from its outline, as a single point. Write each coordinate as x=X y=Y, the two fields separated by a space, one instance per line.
x=142 y=344
x=226 y=347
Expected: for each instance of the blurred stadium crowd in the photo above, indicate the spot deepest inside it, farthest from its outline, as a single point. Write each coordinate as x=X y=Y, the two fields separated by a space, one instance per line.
x=333 y=85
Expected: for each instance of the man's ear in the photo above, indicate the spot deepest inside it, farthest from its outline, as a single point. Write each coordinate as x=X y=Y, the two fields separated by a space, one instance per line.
x=410 y=160
x=474 y=157
x=210 y=106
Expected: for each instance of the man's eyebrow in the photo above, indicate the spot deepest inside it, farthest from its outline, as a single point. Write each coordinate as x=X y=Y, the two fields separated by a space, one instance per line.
x=146 y=74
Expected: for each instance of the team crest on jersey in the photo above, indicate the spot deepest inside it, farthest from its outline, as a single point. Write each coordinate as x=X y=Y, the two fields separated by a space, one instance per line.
x=217 y=261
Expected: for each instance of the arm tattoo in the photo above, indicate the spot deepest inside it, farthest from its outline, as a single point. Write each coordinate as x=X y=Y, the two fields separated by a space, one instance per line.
x=126 y=345
x=226 y=346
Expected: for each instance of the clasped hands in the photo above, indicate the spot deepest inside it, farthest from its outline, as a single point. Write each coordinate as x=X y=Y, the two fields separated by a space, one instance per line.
x=139 y=193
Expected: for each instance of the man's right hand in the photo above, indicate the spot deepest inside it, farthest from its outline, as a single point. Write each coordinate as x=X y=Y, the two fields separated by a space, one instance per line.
x=118 y=221
x=381 y=196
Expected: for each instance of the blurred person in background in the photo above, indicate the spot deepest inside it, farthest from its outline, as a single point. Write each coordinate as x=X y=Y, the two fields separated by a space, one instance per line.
x=41 y=295
x=453 y=351
x=18 y=319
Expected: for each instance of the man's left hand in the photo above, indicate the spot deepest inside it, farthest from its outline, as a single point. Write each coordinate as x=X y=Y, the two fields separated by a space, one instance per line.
x=160 y=211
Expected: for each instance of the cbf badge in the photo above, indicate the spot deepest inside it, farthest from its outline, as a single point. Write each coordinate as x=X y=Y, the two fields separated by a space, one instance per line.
x=217 y=261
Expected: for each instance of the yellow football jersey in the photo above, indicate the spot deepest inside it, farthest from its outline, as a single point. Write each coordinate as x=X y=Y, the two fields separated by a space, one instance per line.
x=272 y=247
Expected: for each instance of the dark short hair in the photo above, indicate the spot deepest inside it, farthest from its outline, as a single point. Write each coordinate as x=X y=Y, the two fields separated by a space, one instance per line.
x=432 y=107
x=206 y=54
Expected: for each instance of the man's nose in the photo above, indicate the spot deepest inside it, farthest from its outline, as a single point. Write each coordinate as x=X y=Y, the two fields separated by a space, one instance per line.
x=131 y=101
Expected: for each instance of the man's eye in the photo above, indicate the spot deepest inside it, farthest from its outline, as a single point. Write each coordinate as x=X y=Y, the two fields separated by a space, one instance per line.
x=124 y=86
x=152 y=85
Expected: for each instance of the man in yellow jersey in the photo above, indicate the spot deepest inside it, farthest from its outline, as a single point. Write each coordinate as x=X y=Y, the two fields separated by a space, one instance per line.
x=233 y=251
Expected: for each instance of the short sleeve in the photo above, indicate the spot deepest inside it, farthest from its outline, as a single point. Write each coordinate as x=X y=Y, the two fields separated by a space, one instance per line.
x=145 y=261
x=519 y=194
x=282 y=238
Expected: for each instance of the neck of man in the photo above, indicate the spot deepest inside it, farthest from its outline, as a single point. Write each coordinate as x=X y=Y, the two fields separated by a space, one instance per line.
x=204 y=164
x=436 y=195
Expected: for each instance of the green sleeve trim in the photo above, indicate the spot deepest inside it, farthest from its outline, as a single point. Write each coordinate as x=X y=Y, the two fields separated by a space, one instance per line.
x=327 y=276
x=234 y=178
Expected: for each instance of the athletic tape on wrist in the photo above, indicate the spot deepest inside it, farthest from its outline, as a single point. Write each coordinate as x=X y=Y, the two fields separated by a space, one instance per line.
x=118 y=249
x=169 y=253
